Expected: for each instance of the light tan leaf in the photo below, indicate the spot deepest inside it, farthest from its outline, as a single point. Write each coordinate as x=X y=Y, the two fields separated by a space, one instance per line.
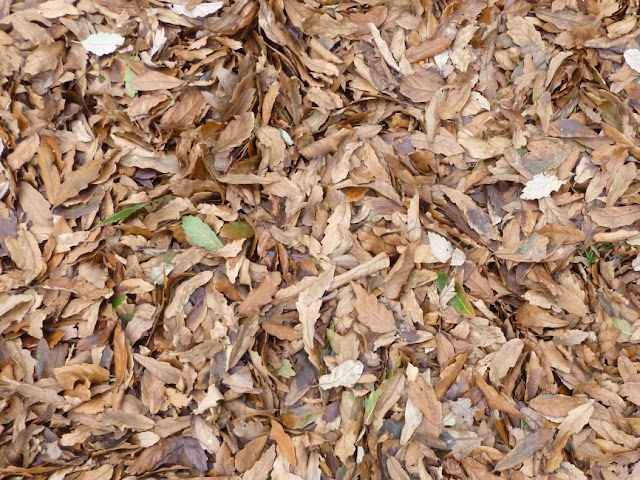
x=163 y=370
x=308 y=306
x=504 y=359
x=532 y=443
x=284 y=442
x=371 y=313
x=249 y=455
x=262 y=294
x=155 y=80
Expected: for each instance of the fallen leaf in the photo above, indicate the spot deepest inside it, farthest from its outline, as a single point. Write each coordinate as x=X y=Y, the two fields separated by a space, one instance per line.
x=200 y=233
x=541 y=186
x=102 y=43
x=632 y=57
x=155 y=80
x=200 y=10
x=344 y=375
x=371 y=312
x=532 y=443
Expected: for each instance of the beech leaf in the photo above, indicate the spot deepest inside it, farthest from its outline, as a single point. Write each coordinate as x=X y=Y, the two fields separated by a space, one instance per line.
x=200 y=234
x=344 y=375
x=102 y=43
x=540 y=186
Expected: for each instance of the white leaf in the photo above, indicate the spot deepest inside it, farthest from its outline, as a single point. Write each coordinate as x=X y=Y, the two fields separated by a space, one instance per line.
x=632 y=57
x=447 y=294
x=541 y=186
x=412 y=420
x=210 y=400
x=441 y=59
x=102 y=43
x=441 y=248
x=286 y=137
x=344 y=375
x=159 y=41
x=458 y=258
x=202 y=10
x=636 y=264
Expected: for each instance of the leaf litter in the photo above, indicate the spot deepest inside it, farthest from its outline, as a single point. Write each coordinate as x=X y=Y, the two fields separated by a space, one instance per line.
x=321 y=240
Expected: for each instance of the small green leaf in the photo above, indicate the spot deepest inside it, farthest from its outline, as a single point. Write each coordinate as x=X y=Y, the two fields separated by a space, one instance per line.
x=129 y=75
x=370 y=404
x=124 y=213
x=199 y=233
x=127 y=212
x=237 y=231
x=119 y=301
x=590 y=255
x=461 y=303
x=521 y=152
x=622 y=325
x=286 y=370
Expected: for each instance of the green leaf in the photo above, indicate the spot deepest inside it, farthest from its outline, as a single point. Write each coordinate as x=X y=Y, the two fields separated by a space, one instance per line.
x=129 y=75
x=119 y=301
x=461 y=303
x=442 y=281
x=122 y=214
x=370 y=404
x=127 y=212
x=199 y=233
x=521 y=152
x=286 y=370
x=622 y=325
x=237 y=231
x=590 y=255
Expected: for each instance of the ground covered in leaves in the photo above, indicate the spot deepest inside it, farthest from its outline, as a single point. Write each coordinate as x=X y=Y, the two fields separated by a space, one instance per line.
x=304 y=239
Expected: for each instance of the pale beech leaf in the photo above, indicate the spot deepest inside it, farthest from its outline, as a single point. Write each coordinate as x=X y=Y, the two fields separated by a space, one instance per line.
x=541 y=186
x=102 y=43
x=203 y=10
x=344 y=375
x=441 y=248
x=632 y=57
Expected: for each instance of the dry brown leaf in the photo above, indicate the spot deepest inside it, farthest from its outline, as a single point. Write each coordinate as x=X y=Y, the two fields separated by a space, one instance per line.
x=371 y=313
x=532 y=443
x=155 y=80
x=284 y=442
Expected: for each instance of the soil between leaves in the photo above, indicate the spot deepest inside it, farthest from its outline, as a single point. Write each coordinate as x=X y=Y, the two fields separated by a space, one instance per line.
x=319 y=240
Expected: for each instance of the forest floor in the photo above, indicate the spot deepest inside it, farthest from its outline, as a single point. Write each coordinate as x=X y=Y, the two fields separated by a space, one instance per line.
x=304 y=239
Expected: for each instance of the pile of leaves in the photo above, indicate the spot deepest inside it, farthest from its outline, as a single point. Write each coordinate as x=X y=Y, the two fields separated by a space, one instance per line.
x=294 y=239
